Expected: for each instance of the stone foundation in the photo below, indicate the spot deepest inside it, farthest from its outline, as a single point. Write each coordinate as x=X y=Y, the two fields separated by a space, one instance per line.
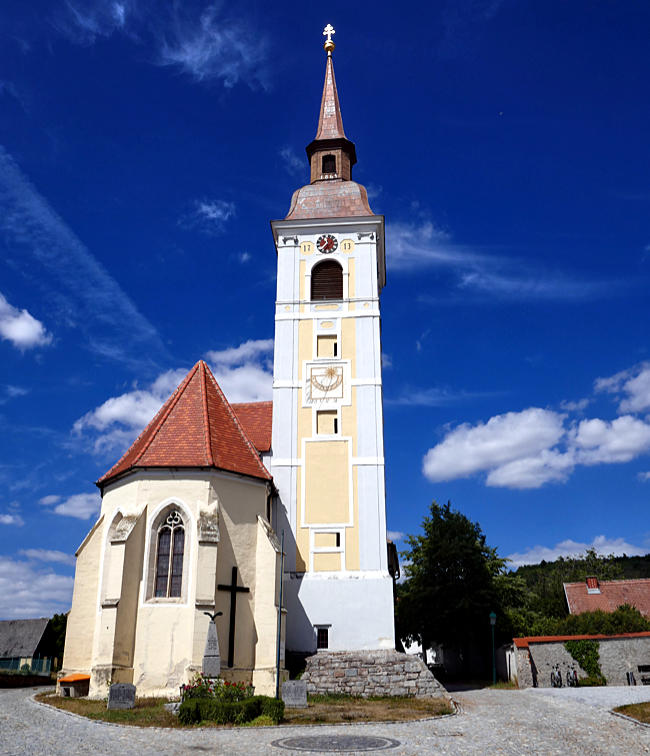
x=370 y=673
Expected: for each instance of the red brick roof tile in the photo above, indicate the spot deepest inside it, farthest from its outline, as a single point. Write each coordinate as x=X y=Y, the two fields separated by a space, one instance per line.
x=613 y=593
x=196 y=427
x=256 y=419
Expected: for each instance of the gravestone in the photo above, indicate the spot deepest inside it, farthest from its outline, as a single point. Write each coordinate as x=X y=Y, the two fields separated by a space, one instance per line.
x=121 y=696
x=211 y=666
x=294 y=694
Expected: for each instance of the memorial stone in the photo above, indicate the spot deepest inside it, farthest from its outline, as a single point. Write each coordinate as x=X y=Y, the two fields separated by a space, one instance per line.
x=294 y=694
x=121 y=696
x=211 y=666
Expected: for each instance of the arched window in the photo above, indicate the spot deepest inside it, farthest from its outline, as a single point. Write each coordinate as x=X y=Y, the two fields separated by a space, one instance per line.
x=329 y=164
x=169 y=557
x=327 y=280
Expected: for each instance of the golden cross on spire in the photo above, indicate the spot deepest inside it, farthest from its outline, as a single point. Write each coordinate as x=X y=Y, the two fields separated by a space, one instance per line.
x=329 y=44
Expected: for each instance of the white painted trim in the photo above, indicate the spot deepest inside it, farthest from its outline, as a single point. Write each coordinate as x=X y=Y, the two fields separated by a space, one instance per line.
x=339 y=314
x=353 y=382
x=375 y=461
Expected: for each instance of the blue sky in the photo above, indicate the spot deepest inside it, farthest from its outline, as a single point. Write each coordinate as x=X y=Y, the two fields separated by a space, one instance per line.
x=144 y=147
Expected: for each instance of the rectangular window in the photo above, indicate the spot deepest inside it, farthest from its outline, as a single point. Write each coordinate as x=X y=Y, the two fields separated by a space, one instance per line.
x=326 y=422
x=322 y=637
x=326 y=346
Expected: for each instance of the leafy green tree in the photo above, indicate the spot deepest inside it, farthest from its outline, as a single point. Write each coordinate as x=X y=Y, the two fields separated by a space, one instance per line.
x=449 y=589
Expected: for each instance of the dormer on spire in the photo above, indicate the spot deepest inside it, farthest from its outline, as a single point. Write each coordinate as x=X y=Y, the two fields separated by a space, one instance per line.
x=331 y=154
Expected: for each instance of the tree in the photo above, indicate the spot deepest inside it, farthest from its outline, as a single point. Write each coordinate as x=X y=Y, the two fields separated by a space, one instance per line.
x=449 y=589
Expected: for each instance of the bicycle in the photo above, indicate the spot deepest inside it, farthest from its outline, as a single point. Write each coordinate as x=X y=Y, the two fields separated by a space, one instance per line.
x=556 y=677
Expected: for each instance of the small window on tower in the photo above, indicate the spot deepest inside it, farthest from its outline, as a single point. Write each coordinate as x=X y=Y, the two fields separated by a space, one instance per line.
x=329 y=164
x=322 y=637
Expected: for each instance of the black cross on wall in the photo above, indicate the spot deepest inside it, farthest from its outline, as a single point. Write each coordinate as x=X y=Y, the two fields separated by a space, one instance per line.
x=233 y=588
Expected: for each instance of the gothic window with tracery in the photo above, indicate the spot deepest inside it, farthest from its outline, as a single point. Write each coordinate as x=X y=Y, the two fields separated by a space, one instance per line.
x=169 y=557
x=327 y=280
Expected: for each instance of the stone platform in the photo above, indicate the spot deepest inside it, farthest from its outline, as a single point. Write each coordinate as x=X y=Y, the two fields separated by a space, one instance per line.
x=370 y=673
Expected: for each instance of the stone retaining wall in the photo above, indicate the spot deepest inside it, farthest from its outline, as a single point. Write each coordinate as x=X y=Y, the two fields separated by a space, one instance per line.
x=370 y=673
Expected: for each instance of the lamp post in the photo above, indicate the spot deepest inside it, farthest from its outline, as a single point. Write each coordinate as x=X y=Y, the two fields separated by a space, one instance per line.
x=493 y=621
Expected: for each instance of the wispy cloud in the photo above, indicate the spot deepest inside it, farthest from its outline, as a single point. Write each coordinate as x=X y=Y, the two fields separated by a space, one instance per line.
x=434 y=396
x=631 y=387
x=209 y=216
x=569 y=548
x=48 y=555
x=412 y=246
x=78 y=290
x=11 y=519
x=21 y=328
x=395 y=535
x=645 y=476
x=293 y=163
x=208 y=42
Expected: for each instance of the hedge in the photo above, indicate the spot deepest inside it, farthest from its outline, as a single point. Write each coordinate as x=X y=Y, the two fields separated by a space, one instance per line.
x=196 y=710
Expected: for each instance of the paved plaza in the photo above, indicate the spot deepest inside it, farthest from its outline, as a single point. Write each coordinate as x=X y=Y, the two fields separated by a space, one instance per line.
x=489 y=722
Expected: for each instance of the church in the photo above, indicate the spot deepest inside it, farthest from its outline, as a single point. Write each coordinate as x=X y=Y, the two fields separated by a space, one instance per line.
x=194 y=513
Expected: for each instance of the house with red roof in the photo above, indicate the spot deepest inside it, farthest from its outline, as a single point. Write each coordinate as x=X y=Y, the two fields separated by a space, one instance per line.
x=608 y=595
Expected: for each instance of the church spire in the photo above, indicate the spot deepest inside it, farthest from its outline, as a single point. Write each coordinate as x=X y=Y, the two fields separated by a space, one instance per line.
x=331 y=154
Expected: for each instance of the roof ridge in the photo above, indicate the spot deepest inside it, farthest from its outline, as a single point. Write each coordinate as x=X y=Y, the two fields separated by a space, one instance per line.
x=239 y=426
x=153 y=421
x=169 y=405
x=206 y=419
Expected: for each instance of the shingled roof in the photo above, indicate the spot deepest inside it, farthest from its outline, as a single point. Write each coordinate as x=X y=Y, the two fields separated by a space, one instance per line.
x=196 y=427
x=256 y=419
x=608 y=595
x=21 y=637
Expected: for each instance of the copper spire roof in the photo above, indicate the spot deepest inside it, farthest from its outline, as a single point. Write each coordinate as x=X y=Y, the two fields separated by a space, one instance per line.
x=330 y=122
x=196 y=427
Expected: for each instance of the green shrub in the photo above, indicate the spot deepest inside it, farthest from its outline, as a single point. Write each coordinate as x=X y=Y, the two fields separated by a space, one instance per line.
x=586 y=653
x=195 y=710
x=207 y=687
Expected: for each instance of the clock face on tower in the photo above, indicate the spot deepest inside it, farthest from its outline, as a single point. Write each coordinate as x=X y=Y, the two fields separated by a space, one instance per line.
x=327 y=243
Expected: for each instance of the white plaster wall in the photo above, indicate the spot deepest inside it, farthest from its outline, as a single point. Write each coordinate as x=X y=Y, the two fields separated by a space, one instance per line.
x=359 y=611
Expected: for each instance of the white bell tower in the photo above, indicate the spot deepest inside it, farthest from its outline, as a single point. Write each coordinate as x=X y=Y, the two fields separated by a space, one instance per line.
x=328 y=449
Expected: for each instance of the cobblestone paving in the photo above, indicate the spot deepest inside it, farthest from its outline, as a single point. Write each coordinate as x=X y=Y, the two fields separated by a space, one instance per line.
x=490 y=722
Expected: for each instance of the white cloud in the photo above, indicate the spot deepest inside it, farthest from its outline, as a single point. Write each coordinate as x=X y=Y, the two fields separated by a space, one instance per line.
x=293 y=163
x=243 y=372
x=82 y=506
x=29 y=591
x=21 y=328
x=48 y=501
x=575 y=406
x=86 y=20
x=209 y=216
x=502 y=440
x=14 y=391
x=386 y=361
x=632 y=386
x=598 y=441
x=536 y=446
x=569 y=548
x=11 y=519
x=74 y=286
x=244 y=257
x=645 y=476
x=48 y=555
x=395 y=535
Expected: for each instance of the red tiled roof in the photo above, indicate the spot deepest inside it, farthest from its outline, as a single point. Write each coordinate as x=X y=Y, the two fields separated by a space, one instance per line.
x=612 y=594
x=523 y=642
x=196 y=427
x=256 y=419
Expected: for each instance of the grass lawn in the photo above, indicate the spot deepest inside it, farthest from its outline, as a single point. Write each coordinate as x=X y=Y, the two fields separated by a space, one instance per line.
x=640 y=711
x=150 y=712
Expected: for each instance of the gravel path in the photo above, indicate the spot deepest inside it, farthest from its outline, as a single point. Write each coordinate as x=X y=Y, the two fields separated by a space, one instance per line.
x=490 y=722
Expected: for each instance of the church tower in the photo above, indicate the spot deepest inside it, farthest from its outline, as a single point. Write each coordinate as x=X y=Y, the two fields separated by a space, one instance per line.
x=327 y=445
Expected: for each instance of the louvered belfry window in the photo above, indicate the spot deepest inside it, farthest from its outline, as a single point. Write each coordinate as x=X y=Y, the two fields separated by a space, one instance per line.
x=169 y=557
x=327 y=280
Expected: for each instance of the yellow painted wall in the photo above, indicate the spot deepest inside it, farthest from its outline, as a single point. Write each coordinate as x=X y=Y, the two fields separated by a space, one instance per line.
x=325 y=540
x=325 y=345
x=325 y=422
x=327 y=562
x=327 y=482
